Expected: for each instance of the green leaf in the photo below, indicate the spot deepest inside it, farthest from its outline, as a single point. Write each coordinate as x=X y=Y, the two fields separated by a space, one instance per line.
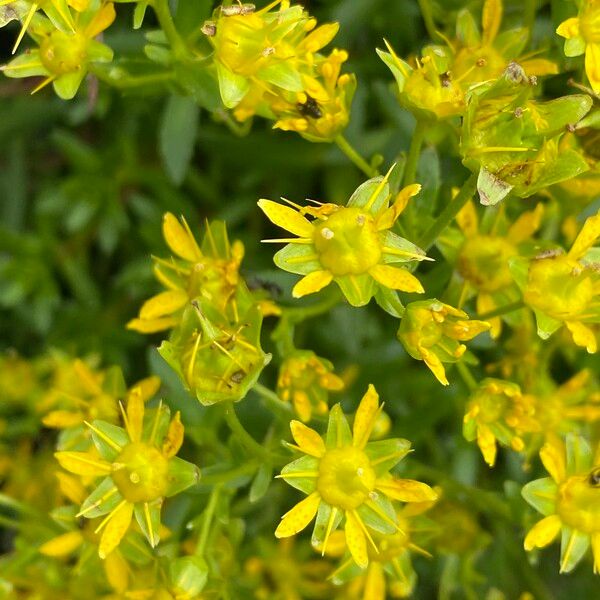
x=139 y=13
x=261 y=482
x=178 y=135
x=201 y=83
x=188 y=576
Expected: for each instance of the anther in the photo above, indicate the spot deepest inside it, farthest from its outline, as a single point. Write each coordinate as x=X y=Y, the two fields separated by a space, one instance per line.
x=134 y=477
x=327 y=233
x=360 y=220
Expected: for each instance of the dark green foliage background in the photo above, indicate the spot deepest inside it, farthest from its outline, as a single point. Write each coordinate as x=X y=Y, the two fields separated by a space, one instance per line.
x=83 y=189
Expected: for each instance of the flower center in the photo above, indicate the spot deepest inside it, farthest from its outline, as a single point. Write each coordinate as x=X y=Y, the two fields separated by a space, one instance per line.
x=559 y=286
x=492 y=407
x=348 y=242
x=140 y=473
x=346 y=477
x=63 y=53
x=483 y=261
x=578 y=502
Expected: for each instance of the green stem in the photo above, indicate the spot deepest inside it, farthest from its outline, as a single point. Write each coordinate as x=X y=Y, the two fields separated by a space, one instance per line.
x=273 y=400
x=165 y=19
x=410 y=170
x=414 y=152
x=344 y=145
x=427 y=15
x=449 y=213
x=243 y=436
x=131 y=81
x=222 y=477
x=502 y=310
x=206 y=521
x=466 y=375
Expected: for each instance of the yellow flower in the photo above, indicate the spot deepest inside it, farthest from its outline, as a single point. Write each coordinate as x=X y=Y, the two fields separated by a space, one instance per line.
x=497 y=411
x=322 y=110
x=305 y=380
x=80 y=393
x=138 y=468
x=63 y=56
x=352 y=245
x=431 y=331
x=346 y=476
x=564 y=288
x=437 y=83
x=482 y=260
x=582 y=34
x=569 y=500
x=210 y=272
x=391 y=568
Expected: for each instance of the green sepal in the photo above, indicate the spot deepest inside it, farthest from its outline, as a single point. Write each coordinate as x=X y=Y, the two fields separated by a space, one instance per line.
x=358 y=289
x=574 y=46
x=114 y=382
x=287 y=259
x=149 y=523
x=233 y=87
x=391 y=240
x=304 y=463
x=139 y=13
x=283 y=75
x=362 y=195
x=546 y=325
x=66 y=85
x=16 y=67
x=541 y=494
x=321 y=523
x=181 y=475
x=389 y=301
x=373 y=520
x=188 y=575
x=99 y=52
x=467 y=30
x=579 y=454
x=106 y=505
x=134 y=549
x=387 y=453
x=573 y=546
x=338 y=430
x=156 y=424
x=491 y=189
x=117 y=434
x=348 y=571
x=398 y=74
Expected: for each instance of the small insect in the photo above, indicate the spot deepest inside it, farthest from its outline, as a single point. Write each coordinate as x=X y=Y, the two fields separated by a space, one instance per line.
x=310 y=108
x=594 y=478
x=238 y=9
x=446 y=79
x=238 y=376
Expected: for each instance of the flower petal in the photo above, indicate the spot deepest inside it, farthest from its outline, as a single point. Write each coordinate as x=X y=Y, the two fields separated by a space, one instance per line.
x=569 y=28
x=135 y=415
x=396 y=278
x=590 y=231
x=287 y=218
x=83 y=463
x=592 y=65
x=390 y=215
x=491 y=19
x=406 y=490
x=543 y=532
x=118 y=524
x=467 y=219
x=174 y=438
x=180 y=239
x=375 y=582
x=356 y=540
x=311 y=283
x=63 y=544
x=163 y=304
x=152 y=326
x=554 y=459
x=299 y=517
x=365 y=417
x=308 y=440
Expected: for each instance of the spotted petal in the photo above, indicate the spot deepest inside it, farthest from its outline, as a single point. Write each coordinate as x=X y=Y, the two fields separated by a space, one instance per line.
x=287 y=218
x=116 y=528
x=308 y=440
x=356 y=540
x=364 y=420
x=299 y=517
